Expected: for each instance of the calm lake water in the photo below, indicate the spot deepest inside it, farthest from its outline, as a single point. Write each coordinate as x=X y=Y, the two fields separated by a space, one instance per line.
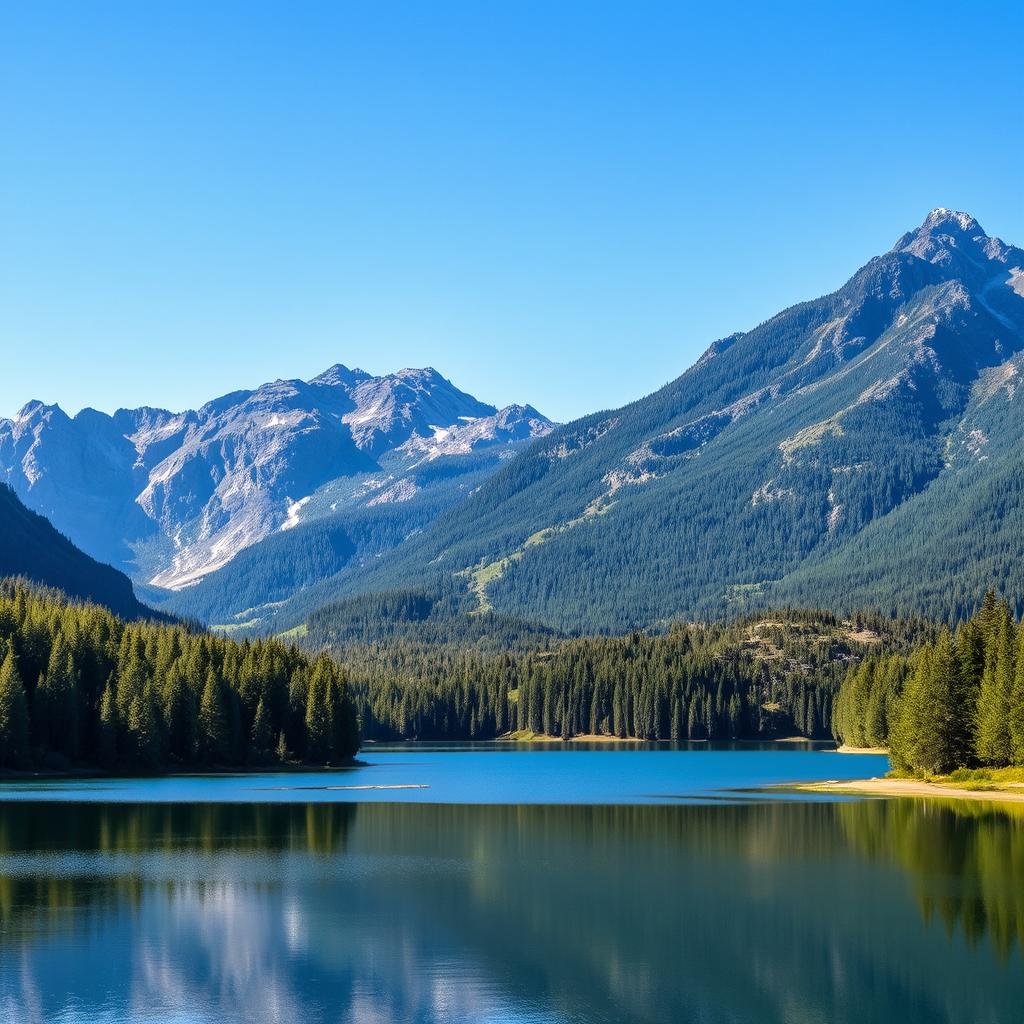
x=678 y=898
x=492 y=773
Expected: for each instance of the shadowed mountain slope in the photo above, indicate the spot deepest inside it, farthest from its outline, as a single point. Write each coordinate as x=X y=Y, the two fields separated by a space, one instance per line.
x=31 y=548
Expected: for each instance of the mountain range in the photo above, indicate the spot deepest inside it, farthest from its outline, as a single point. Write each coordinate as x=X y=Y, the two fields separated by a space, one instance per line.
x=858 y=450
x=171 y=497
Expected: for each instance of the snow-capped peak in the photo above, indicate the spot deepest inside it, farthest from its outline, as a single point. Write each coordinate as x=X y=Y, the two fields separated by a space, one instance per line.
x=942 y=218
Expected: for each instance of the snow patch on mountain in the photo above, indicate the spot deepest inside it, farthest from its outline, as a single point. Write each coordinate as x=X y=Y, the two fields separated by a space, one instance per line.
x=1016 y=281
x=506 y=426
x=292 y=516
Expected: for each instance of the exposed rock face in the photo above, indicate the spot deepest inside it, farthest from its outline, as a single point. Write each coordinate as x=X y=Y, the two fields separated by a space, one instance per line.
x=172 y=497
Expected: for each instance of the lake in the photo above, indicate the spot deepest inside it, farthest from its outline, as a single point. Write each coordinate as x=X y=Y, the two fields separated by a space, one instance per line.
x=528 y=886
x=495 y=773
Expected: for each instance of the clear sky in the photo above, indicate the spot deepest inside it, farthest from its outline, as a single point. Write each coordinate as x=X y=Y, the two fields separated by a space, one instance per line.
x=554 y=202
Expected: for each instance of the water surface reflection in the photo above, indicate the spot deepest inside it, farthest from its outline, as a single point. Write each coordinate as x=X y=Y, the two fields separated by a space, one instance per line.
x=867 y=911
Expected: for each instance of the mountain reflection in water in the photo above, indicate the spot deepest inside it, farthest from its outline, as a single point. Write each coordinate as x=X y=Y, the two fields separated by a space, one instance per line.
x=865 y=911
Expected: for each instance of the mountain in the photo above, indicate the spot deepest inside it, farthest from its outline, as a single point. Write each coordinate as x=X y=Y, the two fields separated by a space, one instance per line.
x=863 y=448
x=173 y=497
x=31 y=548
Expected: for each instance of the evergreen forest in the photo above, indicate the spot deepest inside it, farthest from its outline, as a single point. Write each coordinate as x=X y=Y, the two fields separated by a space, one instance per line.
x=954 y=702
x=443 y=678
x=80 y=686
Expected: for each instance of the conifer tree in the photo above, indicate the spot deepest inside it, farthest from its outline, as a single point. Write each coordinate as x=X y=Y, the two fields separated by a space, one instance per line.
x=262 y=734
x=129 y=695
x=58 y=691
x=987 y=617
x=318 y=717
x=180 y=715
x=925 y=739
x=992 y=734
x=214 y=739
x=131 y=683
x=1016 y=709
x=108 y=727
x=13 y=715
x=876 y=726
x=143 y=731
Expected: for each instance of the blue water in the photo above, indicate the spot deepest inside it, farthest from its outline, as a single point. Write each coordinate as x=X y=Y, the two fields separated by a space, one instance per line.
x=675 y=891
x=725 y=912
x=493 y=774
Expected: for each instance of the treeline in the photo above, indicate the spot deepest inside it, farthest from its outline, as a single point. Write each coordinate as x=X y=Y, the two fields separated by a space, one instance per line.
x=78 y=685
x=745 y=680
x=956 y=702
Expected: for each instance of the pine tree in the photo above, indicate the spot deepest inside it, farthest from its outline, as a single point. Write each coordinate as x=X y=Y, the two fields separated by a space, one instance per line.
x=988 y=617
x=811 y=717
x=214 y=736
x=180 y=715
x=734 y=716
x=1016 y=710
x=13 y=715
x=262 y=734
x=992 y=736
x=318 y=716
x=58 y=693
x=925 y=738
x=347 y=727
x=144 y=731
x=860 y=702
x=132 y=678
x=108 y=727
x=129 y=694
x=282 y=748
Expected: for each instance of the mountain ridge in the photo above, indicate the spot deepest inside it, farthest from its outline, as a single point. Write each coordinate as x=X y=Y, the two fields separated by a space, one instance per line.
x=173 y=496
x=763 y=460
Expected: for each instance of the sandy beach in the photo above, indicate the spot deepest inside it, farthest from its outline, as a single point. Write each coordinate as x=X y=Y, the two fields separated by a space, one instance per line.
x=1013 y=793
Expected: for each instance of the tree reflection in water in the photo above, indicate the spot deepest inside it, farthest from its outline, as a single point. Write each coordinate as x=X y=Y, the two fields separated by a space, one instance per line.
x=404 y=912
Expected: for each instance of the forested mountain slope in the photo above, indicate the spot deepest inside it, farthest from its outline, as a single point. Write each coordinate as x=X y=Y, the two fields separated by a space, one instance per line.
x=859 y=449
x=31 y=548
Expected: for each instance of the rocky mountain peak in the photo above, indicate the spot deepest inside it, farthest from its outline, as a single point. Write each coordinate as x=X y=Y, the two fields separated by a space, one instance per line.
x=36 y=409
x=944 y=221
x=942 y=236
x=339 y=375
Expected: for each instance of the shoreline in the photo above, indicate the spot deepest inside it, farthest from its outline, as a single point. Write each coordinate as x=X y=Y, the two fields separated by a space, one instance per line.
x=917 y=788
x=544 y=738
x=30 y=774
x=587 y=737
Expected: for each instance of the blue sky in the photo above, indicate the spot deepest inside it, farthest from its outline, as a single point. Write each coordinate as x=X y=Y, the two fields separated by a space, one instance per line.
x=561 y=203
